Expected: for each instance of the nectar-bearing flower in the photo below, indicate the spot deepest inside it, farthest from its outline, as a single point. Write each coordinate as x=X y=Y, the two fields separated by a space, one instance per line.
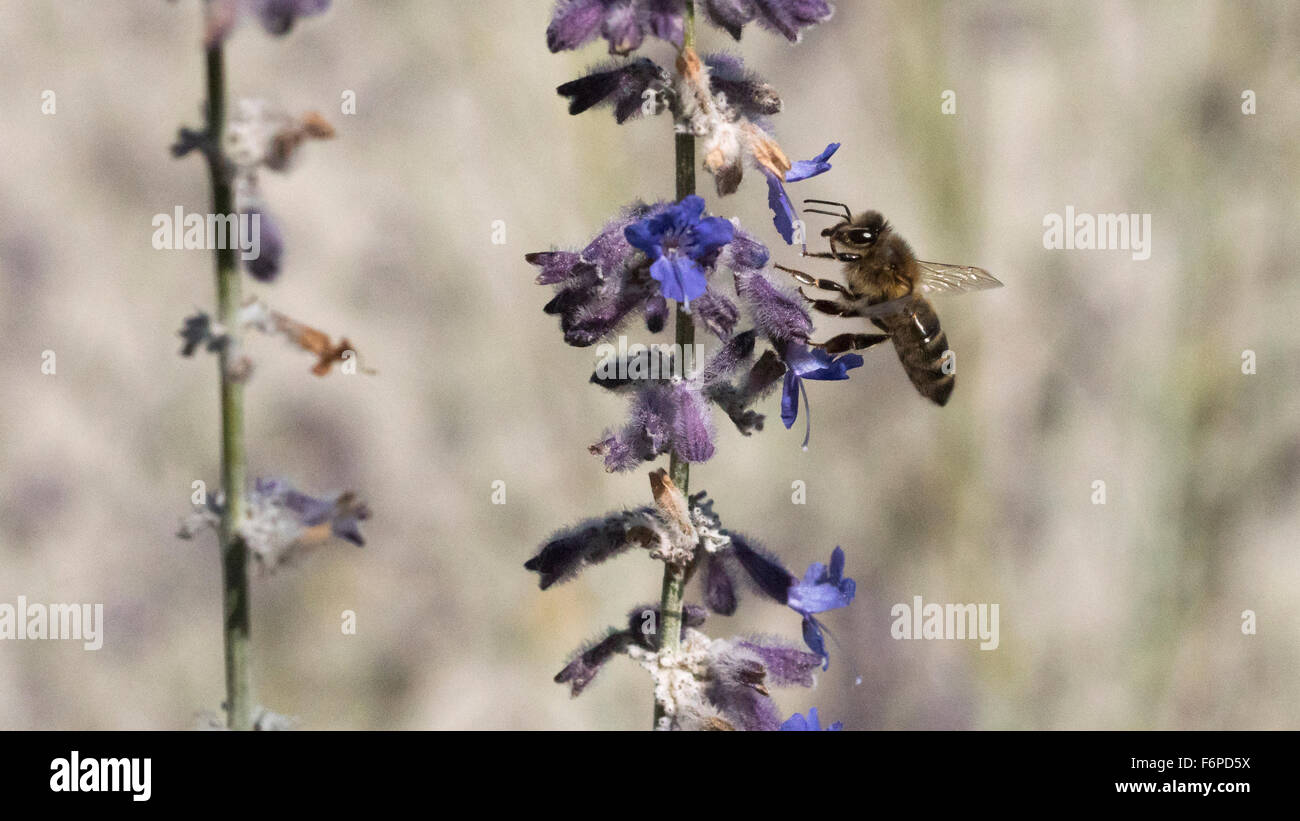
x=598 y=289
x=784 y=215
x=822 y=588
x=810 y=363
x=681 y=243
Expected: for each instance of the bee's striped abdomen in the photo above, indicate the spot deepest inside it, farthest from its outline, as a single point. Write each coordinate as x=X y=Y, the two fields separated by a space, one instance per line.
x=921 y=344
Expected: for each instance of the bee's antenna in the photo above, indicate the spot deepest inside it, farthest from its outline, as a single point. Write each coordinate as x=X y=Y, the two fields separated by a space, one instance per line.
x=848 y=215
x=819 y=211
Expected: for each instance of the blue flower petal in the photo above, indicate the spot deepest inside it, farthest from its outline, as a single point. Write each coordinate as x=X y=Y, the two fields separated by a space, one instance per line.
x=790 y=399
x=796 y=724
x=818 y=598
x=803 y=169
x=679 y=244
x=813 y=721
x=680 y=278
x=690 y=209
x=823 y=588
x=643 y=237
x=815 y=574
x=710 y=235
x=812 y=636
x=833 y=370
x=783 y=215
x=805 y=363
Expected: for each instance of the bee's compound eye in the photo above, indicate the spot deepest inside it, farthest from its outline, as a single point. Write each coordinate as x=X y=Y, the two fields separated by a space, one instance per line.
x=860 y=236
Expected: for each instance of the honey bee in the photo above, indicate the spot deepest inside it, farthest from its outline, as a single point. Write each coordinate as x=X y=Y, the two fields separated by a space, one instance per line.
x=889 y=285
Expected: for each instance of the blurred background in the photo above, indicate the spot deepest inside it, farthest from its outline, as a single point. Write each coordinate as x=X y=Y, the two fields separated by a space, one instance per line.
x=1087 y=366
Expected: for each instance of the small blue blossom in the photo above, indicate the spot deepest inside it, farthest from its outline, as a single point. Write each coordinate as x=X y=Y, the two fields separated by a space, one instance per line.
x=814 y=363
x=680 y=244
x=797 y=723
x=784 y=215
x=823 y=588
x=276 y=16
x=265 y=267
x=803 y=169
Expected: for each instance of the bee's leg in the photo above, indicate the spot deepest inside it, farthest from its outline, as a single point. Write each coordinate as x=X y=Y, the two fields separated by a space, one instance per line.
x=819 y=255
x=822 y=284
x=830 y=306
x=849 y=342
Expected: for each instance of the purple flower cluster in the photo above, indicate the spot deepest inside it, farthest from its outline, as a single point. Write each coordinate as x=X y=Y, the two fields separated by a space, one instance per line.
x=726 y=560
x=589 y=660
x=601 y=286
x=628 y=85
x=733 y=674
x=645 y=258
x=738 y=673
x=648 y=255
x=717 y=99
x=625 y=24
x=785 y=17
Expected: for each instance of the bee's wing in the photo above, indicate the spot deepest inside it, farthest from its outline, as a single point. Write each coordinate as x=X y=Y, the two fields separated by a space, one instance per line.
x=942 y=278
x=936 y=278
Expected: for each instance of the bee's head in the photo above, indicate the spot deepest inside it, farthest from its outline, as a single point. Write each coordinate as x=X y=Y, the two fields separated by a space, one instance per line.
x=852 y=238
x=855 y=238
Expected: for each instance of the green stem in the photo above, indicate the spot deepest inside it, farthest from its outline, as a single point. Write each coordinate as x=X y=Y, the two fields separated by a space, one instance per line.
x=234 y=553
x=679 y=470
